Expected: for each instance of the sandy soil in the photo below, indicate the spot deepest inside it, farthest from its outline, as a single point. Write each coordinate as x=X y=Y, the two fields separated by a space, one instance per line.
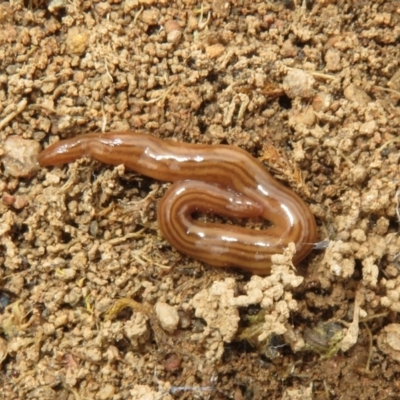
x=94 y=303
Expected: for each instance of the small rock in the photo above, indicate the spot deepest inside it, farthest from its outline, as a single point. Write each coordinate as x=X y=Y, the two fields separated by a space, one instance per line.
x=298 y=83
x=305 y=117
x=383 y=18
x=151 y=17
x=173 y=30
x=78 y=261
x=18 y=202
x=77 y=40
x=103 y=8
x=221 y=8
x=389 y=341
x=215 y=50
x=172 y=362
x=332 y=59
x=49 y=86
x=353 y=93
x=20 y=156
x=106 y=392
x=368 y=128
x=55 y=5
x=288 y=49
x=358 y=174
x=167 y=316
x=8 y=199
x=322 y=101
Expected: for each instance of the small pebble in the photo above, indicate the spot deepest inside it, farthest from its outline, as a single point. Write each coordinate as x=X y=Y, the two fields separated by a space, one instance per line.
x=77 y=40
x=107 y=392
x=215 y=50
x=389 y=341
x=173 y=30
x=355 y=94
x=151 y=17
x=167 y=316
x=298 y=83
x=20 y=156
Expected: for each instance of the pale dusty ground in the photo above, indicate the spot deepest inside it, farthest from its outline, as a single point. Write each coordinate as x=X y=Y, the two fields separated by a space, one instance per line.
x=95 y=304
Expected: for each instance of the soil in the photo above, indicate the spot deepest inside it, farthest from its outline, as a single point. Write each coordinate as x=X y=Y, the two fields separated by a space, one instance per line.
x=94 y=303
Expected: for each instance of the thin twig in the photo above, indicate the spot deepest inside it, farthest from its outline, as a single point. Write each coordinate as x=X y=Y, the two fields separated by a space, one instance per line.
x=20 y=107
x=370 y=347
x=395 y=92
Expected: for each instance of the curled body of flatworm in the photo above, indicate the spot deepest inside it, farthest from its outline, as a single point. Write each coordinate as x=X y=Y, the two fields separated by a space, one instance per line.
x=218 y=179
